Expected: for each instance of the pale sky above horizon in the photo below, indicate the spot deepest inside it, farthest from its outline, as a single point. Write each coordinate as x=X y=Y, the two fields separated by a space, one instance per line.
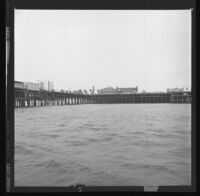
x=77 y=49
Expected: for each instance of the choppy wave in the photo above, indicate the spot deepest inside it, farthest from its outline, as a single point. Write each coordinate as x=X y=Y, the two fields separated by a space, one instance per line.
x=114 y=145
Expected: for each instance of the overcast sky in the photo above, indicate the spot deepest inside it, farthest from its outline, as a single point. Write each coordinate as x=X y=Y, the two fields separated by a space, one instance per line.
x=77 y=49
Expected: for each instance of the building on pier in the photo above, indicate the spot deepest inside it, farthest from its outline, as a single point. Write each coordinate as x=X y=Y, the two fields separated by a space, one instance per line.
x=111 y=90
x=46 y=85
x=127 y=90
x=170 y=90
x=183 y=89
x=19 y=85
x=107 y=90
x=32 y=86
x=50 y=86
x=41 y=85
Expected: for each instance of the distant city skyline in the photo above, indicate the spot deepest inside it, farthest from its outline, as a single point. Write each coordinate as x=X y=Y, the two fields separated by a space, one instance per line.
x=49 y=86
x=78 y=49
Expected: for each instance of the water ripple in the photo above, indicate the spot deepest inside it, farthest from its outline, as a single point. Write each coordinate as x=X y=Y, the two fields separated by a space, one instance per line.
x=103 y=145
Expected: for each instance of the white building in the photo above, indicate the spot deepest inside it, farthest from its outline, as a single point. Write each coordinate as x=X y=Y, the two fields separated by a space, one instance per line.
x=175 y=90
x=111 y=90
x=19 y=84
x=32 y=86
x=47 y=85
x=131 y=90
x=50 y=86
x=107 y=90
x=42 y=85
x=184 y=89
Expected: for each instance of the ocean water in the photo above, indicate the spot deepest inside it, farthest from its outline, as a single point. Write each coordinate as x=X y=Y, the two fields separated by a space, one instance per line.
x=103 y=145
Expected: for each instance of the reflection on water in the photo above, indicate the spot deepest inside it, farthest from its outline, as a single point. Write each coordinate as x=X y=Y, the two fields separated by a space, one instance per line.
x=105 y=145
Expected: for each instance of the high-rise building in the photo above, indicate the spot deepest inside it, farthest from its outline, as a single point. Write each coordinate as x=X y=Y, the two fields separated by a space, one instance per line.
x=50 y=86
x=47 y=85
x=42 y=85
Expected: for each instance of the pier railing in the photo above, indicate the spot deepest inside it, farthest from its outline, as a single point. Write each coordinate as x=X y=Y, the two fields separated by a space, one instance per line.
x=31 y=98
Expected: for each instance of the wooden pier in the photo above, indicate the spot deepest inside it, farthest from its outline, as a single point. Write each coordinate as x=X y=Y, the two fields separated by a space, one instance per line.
x=31 y=98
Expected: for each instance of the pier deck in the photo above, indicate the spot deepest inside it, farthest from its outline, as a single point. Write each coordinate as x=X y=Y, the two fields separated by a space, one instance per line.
x=31 y=98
